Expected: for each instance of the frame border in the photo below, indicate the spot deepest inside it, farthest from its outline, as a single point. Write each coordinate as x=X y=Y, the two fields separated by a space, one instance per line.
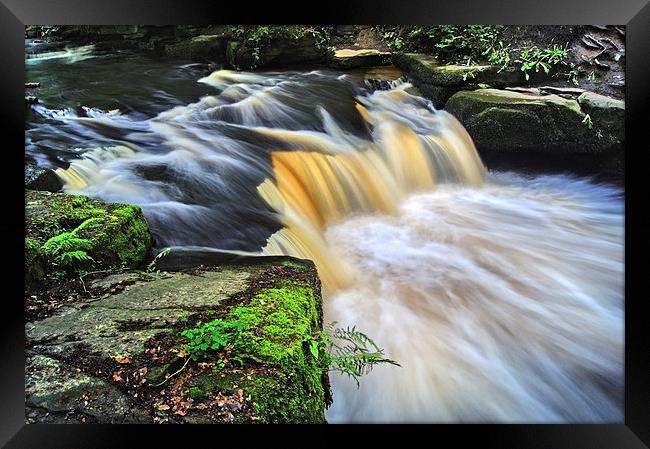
x=635 y=14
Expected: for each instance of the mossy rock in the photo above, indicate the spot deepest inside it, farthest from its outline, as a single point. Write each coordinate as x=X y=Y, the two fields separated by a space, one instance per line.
x=606 y=113
x=38 y=178
x=507 y=121
x=439 y=82
x=57 y=393
x=118 y=233
x=273 y=375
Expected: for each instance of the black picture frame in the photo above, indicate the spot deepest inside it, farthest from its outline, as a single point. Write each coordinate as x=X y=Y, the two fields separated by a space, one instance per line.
x=635 y=14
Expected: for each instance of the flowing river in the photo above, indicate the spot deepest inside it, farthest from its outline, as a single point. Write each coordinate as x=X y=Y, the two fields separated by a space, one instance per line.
x=499 y=293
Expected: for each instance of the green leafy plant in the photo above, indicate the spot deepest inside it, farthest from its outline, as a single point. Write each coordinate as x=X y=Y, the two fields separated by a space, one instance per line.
x=151 y=270
x=587 y=121
x=393 y=39
x=573 y=74
x=546 y=59
x=347 y=351
x=68 y=249
x=211 y=337
x=498 y=55
x=449 y=43
x=350 y=351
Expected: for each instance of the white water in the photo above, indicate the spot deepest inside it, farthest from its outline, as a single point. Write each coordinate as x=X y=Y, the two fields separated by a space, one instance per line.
x=502 y=303
x=67 y=55
x=501 y=298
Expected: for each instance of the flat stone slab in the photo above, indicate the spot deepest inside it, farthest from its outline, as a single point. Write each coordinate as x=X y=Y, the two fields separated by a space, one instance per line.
x=150 y=306
x=120 y=356
x=355 y=58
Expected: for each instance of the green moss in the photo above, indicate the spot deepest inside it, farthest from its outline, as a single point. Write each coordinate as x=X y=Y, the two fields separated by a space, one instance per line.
x=122 y=238
x=32 y=250
x=279 y=321
x=208 y=384
x=281 y=398
x=292 y=264
x=35 y=263
x=118 y=233
x=196 y=393
x=273 y=329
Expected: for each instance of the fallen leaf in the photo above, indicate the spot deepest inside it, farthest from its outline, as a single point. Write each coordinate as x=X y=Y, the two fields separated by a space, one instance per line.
x=122 y=360
x=163 y=407
x=117 y=376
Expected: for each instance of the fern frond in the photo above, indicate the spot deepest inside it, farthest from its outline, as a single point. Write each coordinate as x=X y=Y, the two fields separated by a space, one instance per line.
x=353 y=352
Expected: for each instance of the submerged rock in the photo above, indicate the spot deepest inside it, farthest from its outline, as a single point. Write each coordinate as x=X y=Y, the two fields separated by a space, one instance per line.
x=351 y=59
x=117 y=235
x=508 y=121
x=439 y=82
x=109 y=358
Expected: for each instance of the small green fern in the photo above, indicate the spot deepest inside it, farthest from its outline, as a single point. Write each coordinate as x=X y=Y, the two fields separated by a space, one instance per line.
x=68 y=249
x=352 y=352
x=151 y=270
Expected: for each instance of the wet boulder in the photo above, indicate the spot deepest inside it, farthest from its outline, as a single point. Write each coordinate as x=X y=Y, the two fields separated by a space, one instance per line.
x=508 y=121
x=212 y=47
x=39 y=178
x=124 y=353
x=607 y=114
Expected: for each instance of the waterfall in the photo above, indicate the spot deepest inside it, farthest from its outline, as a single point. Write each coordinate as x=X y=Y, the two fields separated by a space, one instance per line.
x=500 y=295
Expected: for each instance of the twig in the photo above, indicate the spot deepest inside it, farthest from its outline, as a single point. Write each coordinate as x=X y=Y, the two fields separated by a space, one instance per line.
x=612 y=43
x=593 y=39
x=182 y=368
x=97 y=272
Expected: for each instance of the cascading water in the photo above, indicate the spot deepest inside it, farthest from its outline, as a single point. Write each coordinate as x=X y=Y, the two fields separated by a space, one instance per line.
x=501 y=296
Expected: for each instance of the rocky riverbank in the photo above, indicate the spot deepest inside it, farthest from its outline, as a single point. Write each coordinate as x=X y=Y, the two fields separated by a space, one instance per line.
x=110 y=340
x=561 y=100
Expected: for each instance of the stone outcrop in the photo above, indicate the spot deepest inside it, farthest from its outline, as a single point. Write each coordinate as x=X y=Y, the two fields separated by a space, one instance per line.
x=120 y=356
x=204 y=46
x=350 y=59
x=508 y=121
x=439 y=82
x=280 y=51
x=38 y=178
